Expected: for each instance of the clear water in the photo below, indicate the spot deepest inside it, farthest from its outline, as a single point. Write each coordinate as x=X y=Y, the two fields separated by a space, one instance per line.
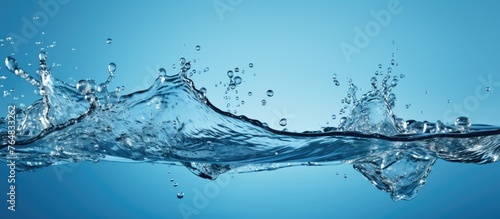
x=132 y=144
x=174 y=122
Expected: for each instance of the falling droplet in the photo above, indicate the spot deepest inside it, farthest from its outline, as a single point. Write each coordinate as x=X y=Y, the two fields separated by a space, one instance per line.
x=198 y=48
x=407 y=106
x=270 y=93
x=449 y=101
x=180 y=195
x=283 y=122
x=334 y=117
x=249 y=93
x=463 y=123
x=176 y=184
x=263 y=102
x=236 y=69
x=380 y=66
x=394 y=82
x=230 y=74
x=237 y=80
x=109 y=41
x=112 y=68
x=11 y=64
x=250 y=65
x=487 y=88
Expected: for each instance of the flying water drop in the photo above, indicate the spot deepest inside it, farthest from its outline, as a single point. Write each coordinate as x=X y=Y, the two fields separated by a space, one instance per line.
x=283 y=122
x=180 y=195
x=263 y=102
x=112 y=68
x=250 y=65
x=230 y=74
x=109 y=41
x=11 y=64
x=270 y=93
x=198 y=48
x=463 y=124
x=237 y=80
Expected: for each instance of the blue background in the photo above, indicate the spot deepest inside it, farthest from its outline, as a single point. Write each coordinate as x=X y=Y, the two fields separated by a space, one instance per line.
x=442 y=49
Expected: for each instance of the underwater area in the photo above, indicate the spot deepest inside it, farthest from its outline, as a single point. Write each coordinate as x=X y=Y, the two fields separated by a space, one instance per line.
x=249 y=109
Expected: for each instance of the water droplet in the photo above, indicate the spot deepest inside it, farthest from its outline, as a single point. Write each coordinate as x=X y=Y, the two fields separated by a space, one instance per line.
x=380 y=66
x=171 y=179
x=270 y=93
x=283 y=122
x=8 y=38
x=162 y=72
x=42 y=56
x=83 y=86
x=112 y=68
x=182 y=61
x=236 y=69
x=394 y=82
x=180 y=195
x=237 y=80
x=249 y=93
x=11 y=63
x=334 y=117
x=373 y=81
x=487 y=88
x=426 y=92
x=230 y=74
x=449 y=101
x=401 y=76
x=203 y=90
x=263 y=102
x=197 y=47
x=109 y=41
x=407 y=106
x=176 y=184
x=250 y=65
x=463 y=124
x=345 y=176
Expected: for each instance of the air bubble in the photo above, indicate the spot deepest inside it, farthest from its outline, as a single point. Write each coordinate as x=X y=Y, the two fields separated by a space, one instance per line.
x=463 y=123
x=270 y=93
x=283 y=122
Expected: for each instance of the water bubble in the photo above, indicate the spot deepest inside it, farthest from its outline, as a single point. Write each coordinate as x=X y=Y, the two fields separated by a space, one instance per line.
x=487 y=88
x=109 y=41
x=162 y=72
x=463 y=123
x=263 y=102
x=230 y=74
x=236 y=69
x=249 y=93
x=180 y=195
x=11 y=63
x=334 y=117
x=237 y=80
x=187 y=66
x=283 y=122
x=197 y=47
x=182 y=61
x=250 y=65
x=270 y=93
x=112 y=68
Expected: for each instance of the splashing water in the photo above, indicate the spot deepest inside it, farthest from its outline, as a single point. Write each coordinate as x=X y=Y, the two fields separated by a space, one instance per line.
x=172 y=121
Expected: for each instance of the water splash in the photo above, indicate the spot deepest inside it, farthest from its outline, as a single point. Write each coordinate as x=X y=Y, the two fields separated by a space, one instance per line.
x=172 y=121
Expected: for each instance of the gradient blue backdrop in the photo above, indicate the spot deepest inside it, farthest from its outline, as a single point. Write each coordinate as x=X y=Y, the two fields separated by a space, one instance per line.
x=443 y=48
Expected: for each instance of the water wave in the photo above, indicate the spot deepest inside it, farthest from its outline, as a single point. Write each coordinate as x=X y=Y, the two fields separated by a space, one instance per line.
x=173 y=122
